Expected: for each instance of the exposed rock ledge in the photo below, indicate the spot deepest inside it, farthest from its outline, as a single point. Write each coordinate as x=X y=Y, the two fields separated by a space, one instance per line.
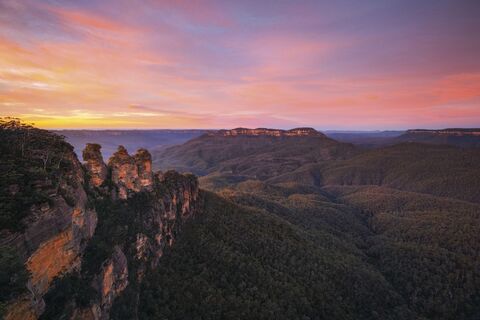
x=58 y=231
x=297 y=132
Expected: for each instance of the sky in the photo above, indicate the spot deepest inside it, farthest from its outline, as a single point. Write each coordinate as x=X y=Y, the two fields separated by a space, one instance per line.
x=343 y=65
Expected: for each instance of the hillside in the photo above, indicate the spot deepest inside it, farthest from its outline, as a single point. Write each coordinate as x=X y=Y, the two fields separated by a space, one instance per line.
x=464 y=138
x=262 y=155
x=411 y=209
x=76 y=236
x=458 y=137
x=317 y=161
x=301 y=227
x=432 y=169
x=251 y=264
x=365 y=139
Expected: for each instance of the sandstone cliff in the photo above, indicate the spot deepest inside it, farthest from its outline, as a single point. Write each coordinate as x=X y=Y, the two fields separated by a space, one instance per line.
x=297 y=132
x=130 y=173
x=74 y=226
x=151 y=221
x=94 y=164
x=59 y=221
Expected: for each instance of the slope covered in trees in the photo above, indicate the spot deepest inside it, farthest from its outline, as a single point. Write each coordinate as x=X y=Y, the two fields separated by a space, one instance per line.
x=32 y=163
x=438 y=170
x=260 y=157
x=299 y=228
x=411 y=209
x=235 y=262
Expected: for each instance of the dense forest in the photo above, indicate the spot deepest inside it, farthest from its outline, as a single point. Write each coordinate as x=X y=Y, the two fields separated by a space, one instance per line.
x=242 y=263
x=408 y=211
x=290 y=228
x=32 y=163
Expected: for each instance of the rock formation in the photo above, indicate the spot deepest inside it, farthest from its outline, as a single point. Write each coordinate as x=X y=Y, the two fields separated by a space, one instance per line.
x=56 y=234
x=143 y=161
x=131 y=173
x=94 y=164
x=59 y=229
x=297 y=132
x=172 y=201
x=110 y=282
x=124 y=172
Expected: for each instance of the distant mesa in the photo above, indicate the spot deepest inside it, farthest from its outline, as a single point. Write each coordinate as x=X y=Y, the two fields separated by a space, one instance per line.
x=447 y=132
x=296 y=132
x=459 y=137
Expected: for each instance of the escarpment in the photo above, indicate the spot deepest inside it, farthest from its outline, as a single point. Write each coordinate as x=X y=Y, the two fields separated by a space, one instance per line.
x=94 y=164
x=296 y=132
x=136 y=231
x=94 y=228
x=45 y=211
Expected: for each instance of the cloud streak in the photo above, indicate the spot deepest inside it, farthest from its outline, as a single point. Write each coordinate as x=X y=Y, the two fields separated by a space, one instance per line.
x=219 y=64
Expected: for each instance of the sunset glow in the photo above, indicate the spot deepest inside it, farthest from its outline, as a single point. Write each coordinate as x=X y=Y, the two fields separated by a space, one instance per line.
x=220 y=64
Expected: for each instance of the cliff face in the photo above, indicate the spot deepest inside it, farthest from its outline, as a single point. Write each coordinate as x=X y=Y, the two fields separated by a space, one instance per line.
x=70 y=227
x=54 y=238
x=152 y=220
x=130 y=173
x=297 y=132
x=94 y=164
x=143 y=161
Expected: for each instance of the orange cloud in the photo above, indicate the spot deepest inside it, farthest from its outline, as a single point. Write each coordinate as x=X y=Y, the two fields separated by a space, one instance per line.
x=88 y=20
x=200 y=65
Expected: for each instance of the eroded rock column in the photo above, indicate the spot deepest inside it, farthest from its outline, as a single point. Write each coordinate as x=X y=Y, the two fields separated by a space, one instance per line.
x=94 y=164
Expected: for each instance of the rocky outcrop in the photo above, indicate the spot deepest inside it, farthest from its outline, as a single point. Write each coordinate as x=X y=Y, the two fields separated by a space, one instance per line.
x=174 y=206
x=171 y=202
x=112 y=281
x=131 y=173
x=94 y=165
x=109 y=283
x=143 y=161
x=124 y=172
x=297 y=132
x=60 y=226
x=55 y=236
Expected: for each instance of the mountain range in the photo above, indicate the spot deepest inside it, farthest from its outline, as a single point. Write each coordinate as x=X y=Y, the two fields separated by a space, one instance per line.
x=279 y=224
x=409 y=211
x=156 y=140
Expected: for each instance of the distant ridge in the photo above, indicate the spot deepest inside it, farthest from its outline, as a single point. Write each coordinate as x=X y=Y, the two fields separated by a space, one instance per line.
x=465 y=138
x=296 y=132
x=448 y=131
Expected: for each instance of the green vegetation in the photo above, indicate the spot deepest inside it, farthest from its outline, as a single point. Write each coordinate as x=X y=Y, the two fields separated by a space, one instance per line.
x=439 y=170
x=67 y=293
x=409 y=211
x=258 y=157
x=427 y=247
x=298 y=229
x=119 y=223
x=13 y=276
x=459 y=137
x=32 y=163
x=239 y=263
